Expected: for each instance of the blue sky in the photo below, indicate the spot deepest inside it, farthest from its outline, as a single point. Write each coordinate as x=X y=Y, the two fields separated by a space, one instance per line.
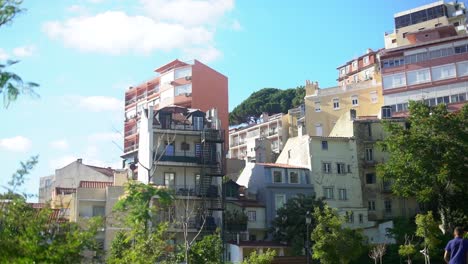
x=85 y=53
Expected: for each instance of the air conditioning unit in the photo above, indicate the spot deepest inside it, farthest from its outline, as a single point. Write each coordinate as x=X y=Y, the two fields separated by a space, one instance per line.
x=188 y=78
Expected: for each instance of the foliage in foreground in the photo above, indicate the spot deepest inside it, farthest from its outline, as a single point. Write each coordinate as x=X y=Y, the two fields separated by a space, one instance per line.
x=262 y=258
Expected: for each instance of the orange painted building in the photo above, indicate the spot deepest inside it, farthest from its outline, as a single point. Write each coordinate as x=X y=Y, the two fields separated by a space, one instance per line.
x=188 y=84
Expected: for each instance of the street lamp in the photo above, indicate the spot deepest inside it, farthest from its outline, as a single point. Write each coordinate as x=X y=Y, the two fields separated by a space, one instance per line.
x=308 y=219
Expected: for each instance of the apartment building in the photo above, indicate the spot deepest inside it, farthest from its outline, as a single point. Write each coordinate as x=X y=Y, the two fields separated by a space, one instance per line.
x=418 y=23
x=359 y=87
x=187 y=84
x=434 y=71
x=243 y=142
x=272 y=184
x=182 y=149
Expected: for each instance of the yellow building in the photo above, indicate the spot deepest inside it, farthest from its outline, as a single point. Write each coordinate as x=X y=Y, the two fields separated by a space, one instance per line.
x=325 y=106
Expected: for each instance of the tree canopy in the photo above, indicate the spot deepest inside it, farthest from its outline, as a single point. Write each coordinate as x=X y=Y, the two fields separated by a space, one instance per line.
x=428 y=160
x=269 y=100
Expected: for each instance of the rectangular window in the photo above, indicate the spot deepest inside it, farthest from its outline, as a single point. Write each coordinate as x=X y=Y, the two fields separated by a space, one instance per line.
x=324 y=145
x=340 y=168
x=183 y=89
x=336 y=103
x=185 y=146
x=280 y=200
x=169 y=179
x=317 y=107
x=342 y=71
x=198 y=123
x=252 y=216
x=361 y=218
x=348 y=68
x=394 y=81
x=277 y=176
x=293 y=177
x=388 y=206
x=370 y=178
x=342 y=194
x=373 y=97
x=327 y=167
x=99 y=211
x=328 y=192
x=355 y=65
x=462 y=68
x=369 y=154
x=356 y=78
x=366 y=60
x=350 y=217
x=354 y=100
x=443 y=72
x=182 y=72
x=371 y=205
x=349 y=168
x=419 y=76
x=318 y=130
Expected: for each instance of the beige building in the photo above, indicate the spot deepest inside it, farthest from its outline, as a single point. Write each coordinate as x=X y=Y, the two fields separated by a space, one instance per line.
x=325 y=106
x=450 y=16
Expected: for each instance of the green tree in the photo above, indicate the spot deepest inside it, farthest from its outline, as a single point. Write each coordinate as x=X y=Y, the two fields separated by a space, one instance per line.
x=427 y=160
x=11 y=85
x=260 y=258
x=208 y=250
x=408 y=250
x=428 y=229
x=145 y=239
x=290 y=223
x=30 y=235
x=334 y=243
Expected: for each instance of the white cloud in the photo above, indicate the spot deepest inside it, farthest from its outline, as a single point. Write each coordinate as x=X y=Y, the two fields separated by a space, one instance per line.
x=205 y=55
x=3 y=55
x=114 y=32
x=98 y=103
x=105 y=136
x=236 y=26
x=95 y=1
x=187 y=12
x=16 y=144
x=60 y=144
x=24 y=51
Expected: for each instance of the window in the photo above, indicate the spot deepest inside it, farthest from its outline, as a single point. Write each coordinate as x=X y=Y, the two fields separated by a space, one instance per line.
x=366 y=60
x=328 y=192
x=419 y=76
x=48 y=182
x=342 y=71
x=318 y=130
x=356 y=78
x=280 y=200
x=394 y=81
x=169 y=179
x=350 y=217
x=182 y=72
x=388 y=206
x=361 y=218
x=340 y=168
x=373 y=97
x=277 y=176
x=371 y=205
x=293 y=177
x=317 y=107
x=185 y=146
x=252 y=216
x=462 y=68
x=443 y=72
x=369 y=154
x=404 y=34
x=386 y=111
x=367 y=75
x=183 y=89
x=349 y=168
x=326 y=167
x=369 y=130
x=354 y=100
x=198 y=122
x=99 y=211
x=347 y=68
x=325 y=145
x=342 y=194
x=336 y=103
x=355 y=65
x=370 y=178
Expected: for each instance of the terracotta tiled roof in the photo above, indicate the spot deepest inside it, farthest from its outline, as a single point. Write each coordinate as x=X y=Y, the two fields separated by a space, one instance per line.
x=106 y=171
x=95 y=184
x=281 y=165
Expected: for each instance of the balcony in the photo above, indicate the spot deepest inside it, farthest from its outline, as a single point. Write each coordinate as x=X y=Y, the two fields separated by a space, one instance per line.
x=176 y=127
x=130 y=101
x=141 y=96
x=131 y=132
x=213 y=135
x=131 y=148
x=179 y=156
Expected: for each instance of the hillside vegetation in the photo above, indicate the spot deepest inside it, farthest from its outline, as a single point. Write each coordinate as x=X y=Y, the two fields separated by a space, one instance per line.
x=269 y=100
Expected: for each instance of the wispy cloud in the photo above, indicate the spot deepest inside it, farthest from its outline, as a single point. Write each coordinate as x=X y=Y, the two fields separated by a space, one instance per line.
x=236 y=26
x=105 y=136
x=3 y=55
x=16 y=144
x=205 y=54
x=95 y=103
x=24 y=51
x=60 y=144
x=60 y=162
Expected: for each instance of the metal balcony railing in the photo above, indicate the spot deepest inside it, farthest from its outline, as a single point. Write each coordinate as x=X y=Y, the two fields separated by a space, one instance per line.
x=179 y=156
x=176 y=127
x=131 y=148
x=130 y=101
x=131 y=132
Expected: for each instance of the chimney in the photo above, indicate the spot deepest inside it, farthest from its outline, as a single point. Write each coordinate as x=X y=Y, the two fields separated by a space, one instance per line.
x=368 y=51
x=79 y=161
